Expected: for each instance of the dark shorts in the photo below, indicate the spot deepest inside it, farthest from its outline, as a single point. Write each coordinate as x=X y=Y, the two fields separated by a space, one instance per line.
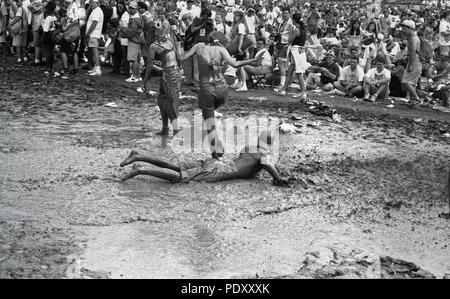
x=212 y=94
x=282 y=51
x=69 y=48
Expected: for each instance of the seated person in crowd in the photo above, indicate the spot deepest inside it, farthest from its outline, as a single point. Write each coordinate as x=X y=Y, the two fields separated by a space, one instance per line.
x=264 y=68
x=395 y=85
x=350 y=82
x=376 y=81
x=324 y=74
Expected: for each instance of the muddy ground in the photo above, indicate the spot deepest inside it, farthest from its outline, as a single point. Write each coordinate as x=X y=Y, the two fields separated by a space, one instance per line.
x=365 y=197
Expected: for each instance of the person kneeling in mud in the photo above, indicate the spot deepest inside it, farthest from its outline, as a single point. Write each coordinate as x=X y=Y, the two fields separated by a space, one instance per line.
x=246 y=166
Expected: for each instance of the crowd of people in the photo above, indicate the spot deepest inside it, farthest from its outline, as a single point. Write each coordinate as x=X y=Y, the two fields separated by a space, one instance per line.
x=361 y=49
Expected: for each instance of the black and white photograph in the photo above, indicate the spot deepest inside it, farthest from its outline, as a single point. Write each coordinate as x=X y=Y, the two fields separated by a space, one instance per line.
x=231 y=140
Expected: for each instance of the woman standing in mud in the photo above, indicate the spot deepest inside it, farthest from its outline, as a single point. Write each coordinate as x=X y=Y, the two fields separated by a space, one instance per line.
x=213 y=88
x=169 y=91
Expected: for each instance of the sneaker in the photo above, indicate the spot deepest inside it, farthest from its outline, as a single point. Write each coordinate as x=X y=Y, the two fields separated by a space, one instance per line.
x=236 y=85
x=280 y=92
x=25 y=59
x=141 y=90
x=98 y=72
x=132 y=80
x=19 y=60
x=139 y=79
x=91 y=71
x=243 y=88
x=36 y=62
x=56 y=74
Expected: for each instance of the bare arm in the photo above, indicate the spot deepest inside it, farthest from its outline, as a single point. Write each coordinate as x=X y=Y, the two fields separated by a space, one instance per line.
x=231 y=61
x=186 y=55
x=89 y=31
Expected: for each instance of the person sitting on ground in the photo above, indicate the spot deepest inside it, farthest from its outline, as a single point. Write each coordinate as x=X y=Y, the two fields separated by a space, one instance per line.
x=376 y=81
x=329 y=73
x=396 y=88
x=350 y=83
x=245 y=166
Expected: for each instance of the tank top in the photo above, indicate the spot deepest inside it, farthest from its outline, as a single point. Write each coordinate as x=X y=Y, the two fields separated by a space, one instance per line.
x=300 y=39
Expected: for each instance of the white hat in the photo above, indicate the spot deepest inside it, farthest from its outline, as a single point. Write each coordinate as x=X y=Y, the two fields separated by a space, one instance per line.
x=409 y=23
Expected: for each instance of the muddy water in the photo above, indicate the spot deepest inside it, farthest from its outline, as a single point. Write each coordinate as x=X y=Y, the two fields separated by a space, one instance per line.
x=364 y=188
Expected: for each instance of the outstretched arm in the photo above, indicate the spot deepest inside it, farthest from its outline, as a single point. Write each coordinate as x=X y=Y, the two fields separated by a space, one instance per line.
x=186 y=55
x=272 y=170
x=231 y=61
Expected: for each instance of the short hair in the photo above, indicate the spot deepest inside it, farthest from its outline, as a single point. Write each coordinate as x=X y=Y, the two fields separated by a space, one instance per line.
x=142 y=5
x=286 y=8
x=261 y=39
x=206 y=12
x=380 y=58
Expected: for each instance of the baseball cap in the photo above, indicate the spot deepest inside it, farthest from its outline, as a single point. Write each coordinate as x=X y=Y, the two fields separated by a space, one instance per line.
x=133 y=4
x=409 y=23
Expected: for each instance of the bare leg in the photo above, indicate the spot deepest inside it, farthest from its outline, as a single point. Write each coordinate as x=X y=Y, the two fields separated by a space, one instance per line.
x=134 y=156
x=168 y=176
x=411 y=90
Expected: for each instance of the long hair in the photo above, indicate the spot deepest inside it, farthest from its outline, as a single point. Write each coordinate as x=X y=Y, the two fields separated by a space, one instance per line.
x=354 y=31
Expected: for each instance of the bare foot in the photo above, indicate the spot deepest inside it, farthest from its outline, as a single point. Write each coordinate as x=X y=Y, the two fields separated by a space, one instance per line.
x=130 y=159
x=134 y=172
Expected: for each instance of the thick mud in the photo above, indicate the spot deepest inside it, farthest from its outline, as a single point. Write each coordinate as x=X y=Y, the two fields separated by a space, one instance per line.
x=365 y=198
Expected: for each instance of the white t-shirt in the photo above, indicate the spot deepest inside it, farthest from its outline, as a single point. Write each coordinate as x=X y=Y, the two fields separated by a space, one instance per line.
x=348 y=75
x=96 y=15
x=25 y=4
x=266 y=58
x=373 y=74
x=73 y=12
x=393 y=21
x=194 y=12
x=443 y=27
x=251 y=24
x=49 y=24
x=242 y=29
x=124 y=20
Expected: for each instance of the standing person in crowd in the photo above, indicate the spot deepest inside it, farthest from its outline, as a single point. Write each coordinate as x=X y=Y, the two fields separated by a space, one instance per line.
x=19 y=38
x=251 y=21
x=93 y=35
x=169 y=89
x=213 y=88
x=414 y=65
x=69 y=48
x=297 y=55
x=134 y=32
x=282 y=45
x=444 y=33
x=124 y=20
x=4 y=5
x=149 y=35
x=37 y=10
x=48 y=27
x=221 y=26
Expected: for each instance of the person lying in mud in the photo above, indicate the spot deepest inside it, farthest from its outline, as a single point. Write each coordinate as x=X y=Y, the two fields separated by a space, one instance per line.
x=245 y=166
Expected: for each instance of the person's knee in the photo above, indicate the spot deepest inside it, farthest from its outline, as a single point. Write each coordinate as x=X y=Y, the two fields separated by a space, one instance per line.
x=327 y=87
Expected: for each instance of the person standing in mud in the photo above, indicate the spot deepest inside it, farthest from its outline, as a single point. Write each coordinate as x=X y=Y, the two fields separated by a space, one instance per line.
x=169 y=90
x=213 y=87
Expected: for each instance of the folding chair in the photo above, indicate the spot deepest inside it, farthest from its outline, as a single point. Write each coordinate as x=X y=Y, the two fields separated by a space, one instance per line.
x=261 y=81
